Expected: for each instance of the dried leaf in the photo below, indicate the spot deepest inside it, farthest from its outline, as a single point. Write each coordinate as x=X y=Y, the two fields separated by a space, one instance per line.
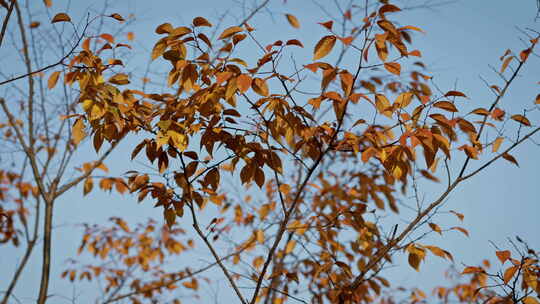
x=200 y=21
x=324 y=46
x=61 y=17
x=503 y=256
x=509 y=273
x=230 y=31
x=510 y=158
x=53 y=79
x=293 y=21
x=521 y=119
x=472 y=269
x=78 y=133
x=393 y=67
x=497 y=144
x=117 y=17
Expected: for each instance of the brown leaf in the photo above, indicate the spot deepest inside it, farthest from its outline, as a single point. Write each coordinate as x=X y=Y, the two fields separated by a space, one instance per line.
x=435 y=228
x=324 y=46
x=454 y=93
x=472 y=269
x=230 y=31
x=446 y=105
x=117 y=17
x=510 y=158
x=393 y=67
x=61 y=17
x=259 y=86
x=200 y=21
x=293 y=21
x=48 y=3
x=294 y=42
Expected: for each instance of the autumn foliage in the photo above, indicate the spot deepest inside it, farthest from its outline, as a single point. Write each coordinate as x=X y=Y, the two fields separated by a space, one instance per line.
x=294 y=184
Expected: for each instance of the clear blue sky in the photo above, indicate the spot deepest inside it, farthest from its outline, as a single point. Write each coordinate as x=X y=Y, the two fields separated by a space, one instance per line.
x=462 y=40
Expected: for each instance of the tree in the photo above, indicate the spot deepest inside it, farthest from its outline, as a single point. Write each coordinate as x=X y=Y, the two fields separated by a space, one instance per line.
x=291 y=175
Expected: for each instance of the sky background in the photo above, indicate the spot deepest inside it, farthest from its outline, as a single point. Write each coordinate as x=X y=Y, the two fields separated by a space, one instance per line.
x=463 y=39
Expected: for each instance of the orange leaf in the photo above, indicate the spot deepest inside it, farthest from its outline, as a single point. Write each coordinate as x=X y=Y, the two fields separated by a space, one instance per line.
x=472 y=269
x=230 y=31
x=462 y=230
x=503 y=255
x=506 y=63
x=53 y=79
x=130 y=36
x=496 y=144
x=459 y=215
x=61 y=17
x=521 y=119
x=244 y=82
x=393 y=67
x=48 y=3
x=324 y=46
x=509 y=273
x=293 y=21
x=259 y=86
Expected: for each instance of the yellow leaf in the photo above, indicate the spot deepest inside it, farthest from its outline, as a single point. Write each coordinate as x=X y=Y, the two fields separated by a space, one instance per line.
x=393 y=67
x=505 y=63
x=61 y=17
x=260 y=236
x=530 y=300
x=293 y=21
x=403 y=100
x=53 y=79
x=230 y=31
x=496 y=144
x=324 y=46
x=78 y=133
x=290 y=246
